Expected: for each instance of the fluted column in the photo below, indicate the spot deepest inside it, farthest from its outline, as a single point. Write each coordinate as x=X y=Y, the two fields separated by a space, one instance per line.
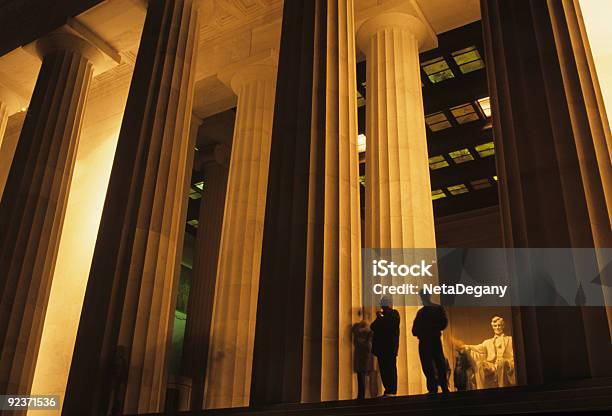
x=4 y=115
x=127 y=311
x=9 y=104
x=215 y=166
x=399 y=211
x=309 y=289
x=235 y=303
x=552 y=142
x=34 y=202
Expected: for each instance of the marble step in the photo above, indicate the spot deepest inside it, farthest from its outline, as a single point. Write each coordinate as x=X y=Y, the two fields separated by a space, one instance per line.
x=592 y=395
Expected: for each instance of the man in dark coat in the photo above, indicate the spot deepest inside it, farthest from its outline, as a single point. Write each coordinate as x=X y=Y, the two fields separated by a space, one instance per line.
x=428 y=325
x=386 y=328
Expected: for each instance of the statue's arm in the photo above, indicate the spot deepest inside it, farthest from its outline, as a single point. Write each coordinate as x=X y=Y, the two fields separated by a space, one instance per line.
x=479 y=348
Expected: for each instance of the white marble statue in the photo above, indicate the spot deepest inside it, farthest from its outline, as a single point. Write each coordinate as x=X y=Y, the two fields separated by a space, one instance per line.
x=498 y=363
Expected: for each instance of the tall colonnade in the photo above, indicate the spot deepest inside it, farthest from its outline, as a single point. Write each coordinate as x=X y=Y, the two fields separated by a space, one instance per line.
x=276 y=285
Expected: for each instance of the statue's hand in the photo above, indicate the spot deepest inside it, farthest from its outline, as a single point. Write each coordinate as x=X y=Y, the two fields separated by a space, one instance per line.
x=458 y=344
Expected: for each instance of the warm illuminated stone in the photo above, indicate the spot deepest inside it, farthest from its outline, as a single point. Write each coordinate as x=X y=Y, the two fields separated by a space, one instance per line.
x=9 y=144
x=129 y=302
x=34 y=201
x=309 y=277
x=214 y=164
x=3 y=118
x=94 y=159
x=399 y=211
x=9 y=104
x=555 y=177
x=235 y=302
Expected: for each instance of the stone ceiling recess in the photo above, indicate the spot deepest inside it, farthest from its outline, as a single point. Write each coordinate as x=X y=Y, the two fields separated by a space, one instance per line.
x=231 y=31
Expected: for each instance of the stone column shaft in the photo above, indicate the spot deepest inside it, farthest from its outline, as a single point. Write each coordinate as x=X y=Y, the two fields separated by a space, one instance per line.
x=553 y=163
x=399 y=210
x=9 y=104
x=34 y=202
x=206 y=256
x=126 y=321
x=235 y=302
x=4 y=115
x=309 y=289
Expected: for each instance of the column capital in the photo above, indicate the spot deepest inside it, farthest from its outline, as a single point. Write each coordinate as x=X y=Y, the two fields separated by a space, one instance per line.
x=75 y=36
x=395 y=20
x=260 y=66
x=67 y=42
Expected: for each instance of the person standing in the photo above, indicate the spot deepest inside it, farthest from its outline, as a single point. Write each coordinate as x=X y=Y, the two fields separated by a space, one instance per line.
x=428 y=325
x=385 y=343
x=364 y=366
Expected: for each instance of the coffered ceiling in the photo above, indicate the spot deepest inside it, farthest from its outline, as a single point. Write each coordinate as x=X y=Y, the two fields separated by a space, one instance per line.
x=231 y=30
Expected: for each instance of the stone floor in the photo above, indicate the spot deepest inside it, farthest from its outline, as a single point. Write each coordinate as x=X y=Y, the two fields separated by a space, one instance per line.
x=594 y=395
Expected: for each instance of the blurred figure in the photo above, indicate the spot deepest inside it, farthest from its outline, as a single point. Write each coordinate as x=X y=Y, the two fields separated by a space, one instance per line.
x=385 y=344
x=464 y=375
x=364 y=361
x=428 y=325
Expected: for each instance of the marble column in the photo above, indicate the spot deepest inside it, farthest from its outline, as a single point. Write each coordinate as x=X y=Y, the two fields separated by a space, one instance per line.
x=553 y=160
x=120 y=355
x=34 y=201
x=399 y=210
x=214 y=165
x=4 y=115
x=235 y=299
x=309 y=289
x=9 y=104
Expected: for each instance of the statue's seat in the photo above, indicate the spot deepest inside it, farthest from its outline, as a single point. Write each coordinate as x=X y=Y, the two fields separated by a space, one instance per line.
x=488 y=379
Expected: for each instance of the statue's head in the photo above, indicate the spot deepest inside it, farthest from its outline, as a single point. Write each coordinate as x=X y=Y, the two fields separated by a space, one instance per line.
x=497 y=324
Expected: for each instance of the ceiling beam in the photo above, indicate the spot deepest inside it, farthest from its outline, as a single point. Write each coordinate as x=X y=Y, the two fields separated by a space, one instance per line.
x=465 y=135
x=465 y=202
x=463 y=173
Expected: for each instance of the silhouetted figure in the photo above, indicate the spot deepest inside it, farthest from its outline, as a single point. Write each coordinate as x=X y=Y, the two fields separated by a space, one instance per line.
x=364 y=366
x=430 y=320
x=386 y=343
